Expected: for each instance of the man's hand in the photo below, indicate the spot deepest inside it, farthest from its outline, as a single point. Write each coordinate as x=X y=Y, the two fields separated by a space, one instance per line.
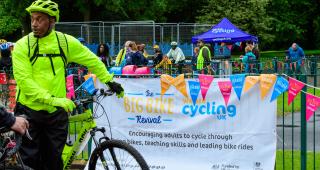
x=117 y=88
x=65 y=103
x=20 y=125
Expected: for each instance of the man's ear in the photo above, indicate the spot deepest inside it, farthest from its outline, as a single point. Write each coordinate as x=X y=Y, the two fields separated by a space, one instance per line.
x=52 y=21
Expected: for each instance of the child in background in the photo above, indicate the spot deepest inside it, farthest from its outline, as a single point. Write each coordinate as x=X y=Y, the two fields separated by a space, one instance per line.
x=247 y=58
x=165 y=64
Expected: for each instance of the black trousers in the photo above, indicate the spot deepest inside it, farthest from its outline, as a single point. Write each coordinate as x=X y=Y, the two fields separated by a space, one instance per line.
x=49 y=134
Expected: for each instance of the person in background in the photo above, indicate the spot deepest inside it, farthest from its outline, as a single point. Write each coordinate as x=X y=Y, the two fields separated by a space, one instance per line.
x=82 y=40
x=247 y=58
x=194 y=58
x=103 y=54
x=157 y=55
x=176 y=56
x=135 y=57
x=6 y=60
x=204 y=57
x=141 y=48
x=121 y=56
x=8 y=121
x=295 y=55
x=165 y=64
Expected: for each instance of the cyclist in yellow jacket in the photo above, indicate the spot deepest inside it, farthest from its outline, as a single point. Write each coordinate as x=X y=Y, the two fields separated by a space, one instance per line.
x=39 y=62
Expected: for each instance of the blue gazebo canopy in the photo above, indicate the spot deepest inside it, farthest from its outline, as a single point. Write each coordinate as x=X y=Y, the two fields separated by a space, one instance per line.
x=224 y=31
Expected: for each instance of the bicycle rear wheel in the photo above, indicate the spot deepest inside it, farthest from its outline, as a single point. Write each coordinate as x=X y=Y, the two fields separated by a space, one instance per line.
x=116 y=154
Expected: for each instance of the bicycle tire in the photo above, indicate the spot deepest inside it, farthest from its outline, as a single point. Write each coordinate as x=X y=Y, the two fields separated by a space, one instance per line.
x=123 y=146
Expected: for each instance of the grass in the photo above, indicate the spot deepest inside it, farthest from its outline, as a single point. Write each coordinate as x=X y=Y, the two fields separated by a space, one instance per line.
x=295 y=106
x=287 y=164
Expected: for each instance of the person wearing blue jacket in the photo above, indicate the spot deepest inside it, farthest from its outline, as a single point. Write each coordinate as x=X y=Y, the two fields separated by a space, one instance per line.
x=247 y=58
x=295 y=55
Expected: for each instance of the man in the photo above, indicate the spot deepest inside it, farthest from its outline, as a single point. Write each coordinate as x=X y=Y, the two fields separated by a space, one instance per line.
x=176 y=55
x=8 y=121
x=295 y=55
x=39 y=61
x=204 y=58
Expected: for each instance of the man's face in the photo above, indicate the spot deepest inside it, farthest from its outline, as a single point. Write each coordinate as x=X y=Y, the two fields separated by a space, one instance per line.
x=294 y=46
x=40 y=23
x=200 y=44
x=174 y=47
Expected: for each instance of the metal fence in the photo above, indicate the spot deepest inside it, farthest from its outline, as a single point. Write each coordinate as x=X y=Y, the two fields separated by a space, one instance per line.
x=298 y=141
x=147 y=32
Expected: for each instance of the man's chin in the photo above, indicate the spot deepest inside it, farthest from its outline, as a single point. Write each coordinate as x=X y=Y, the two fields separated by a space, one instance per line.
x=37 y=34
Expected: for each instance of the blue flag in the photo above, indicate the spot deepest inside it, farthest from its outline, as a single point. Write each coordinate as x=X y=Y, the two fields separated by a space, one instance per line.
x=194 y=88
x=280 y=86
x=89 y=86
x=237 y=81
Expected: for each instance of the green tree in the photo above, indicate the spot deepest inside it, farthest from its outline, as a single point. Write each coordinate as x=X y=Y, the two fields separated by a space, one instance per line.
x=13 y=16
x=248 y=15
x=291 y=21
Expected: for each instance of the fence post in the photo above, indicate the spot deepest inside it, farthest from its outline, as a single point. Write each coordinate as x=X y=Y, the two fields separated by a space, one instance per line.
x=303 y=126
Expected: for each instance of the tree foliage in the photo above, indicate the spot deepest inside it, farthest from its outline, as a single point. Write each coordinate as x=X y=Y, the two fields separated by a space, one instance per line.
x=248 y=15
x=277 y=23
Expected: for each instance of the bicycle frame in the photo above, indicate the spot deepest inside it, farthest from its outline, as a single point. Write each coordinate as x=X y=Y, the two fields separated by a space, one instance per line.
x=88 y=123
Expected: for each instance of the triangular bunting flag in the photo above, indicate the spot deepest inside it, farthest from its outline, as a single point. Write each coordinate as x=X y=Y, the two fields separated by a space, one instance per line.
x=205 y=82
x=280 y=86
x=266 y=83
x=88 y=85
x=225 y=89
x=165 y=83
x=295 y=87
x=70 y=87
x=86 y=77
x=194 y=88
x=313 y=102
x=250 y=81
x=180 y=84
x=237 y=81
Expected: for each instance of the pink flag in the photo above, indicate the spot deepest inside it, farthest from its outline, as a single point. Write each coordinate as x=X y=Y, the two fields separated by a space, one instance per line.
x=205 y=82
x=225 y=88
x=70 y=87
x=313 y=102
x=229 y=47
x=295 y=87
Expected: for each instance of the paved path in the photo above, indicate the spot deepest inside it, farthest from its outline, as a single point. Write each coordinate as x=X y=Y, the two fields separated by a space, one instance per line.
x=292 y=132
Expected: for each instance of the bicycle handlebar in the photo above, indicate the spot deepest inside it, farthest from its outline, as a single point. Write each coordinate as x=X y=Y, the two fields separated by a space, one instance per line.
x=102 y=92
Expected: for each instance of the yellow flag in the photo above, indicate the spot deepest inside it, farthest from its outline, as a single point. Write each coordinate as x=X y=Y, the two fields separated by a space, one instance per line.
x=250 y=81
x=165 y=83
x=180 y=84
x=266 y=83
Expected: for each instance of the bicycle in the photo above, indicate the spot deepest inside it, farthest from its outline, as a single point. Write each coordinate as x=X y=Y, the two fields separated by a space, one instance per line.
x=10 y=158
x=112 y=153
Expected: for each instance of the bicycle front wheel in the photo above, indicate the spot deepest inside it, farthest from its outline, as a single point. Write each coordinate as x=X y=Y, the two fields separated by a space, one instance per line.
x=116 y=154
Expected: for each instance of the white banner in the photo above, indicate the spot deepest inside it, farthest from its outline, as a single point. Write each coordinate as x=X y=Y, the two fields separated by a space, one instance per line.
x=173 y=133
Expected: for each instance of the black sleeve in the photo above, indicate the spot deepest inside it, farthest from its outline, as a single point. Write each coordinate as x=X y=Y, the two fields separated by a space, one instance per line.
x=6 y=119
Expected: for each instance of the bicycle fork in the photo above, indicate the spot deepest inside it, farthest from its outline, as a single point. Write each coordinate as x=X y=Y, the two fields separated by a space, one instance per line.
x=97 y=143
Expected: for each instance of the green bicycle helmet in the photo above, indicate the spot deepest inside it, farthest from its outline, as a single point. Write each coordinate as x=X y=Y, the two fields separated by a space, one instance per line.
x=46 y=6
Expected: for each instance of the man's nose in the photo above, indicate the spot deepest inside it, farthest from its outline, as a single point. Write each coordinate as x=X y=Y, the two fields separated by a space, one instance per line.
x=34 y=23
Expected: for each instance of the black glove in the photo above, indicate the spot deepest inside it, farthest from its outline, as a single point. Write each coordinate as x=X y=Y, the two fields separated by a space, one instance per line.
x=117 y=88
